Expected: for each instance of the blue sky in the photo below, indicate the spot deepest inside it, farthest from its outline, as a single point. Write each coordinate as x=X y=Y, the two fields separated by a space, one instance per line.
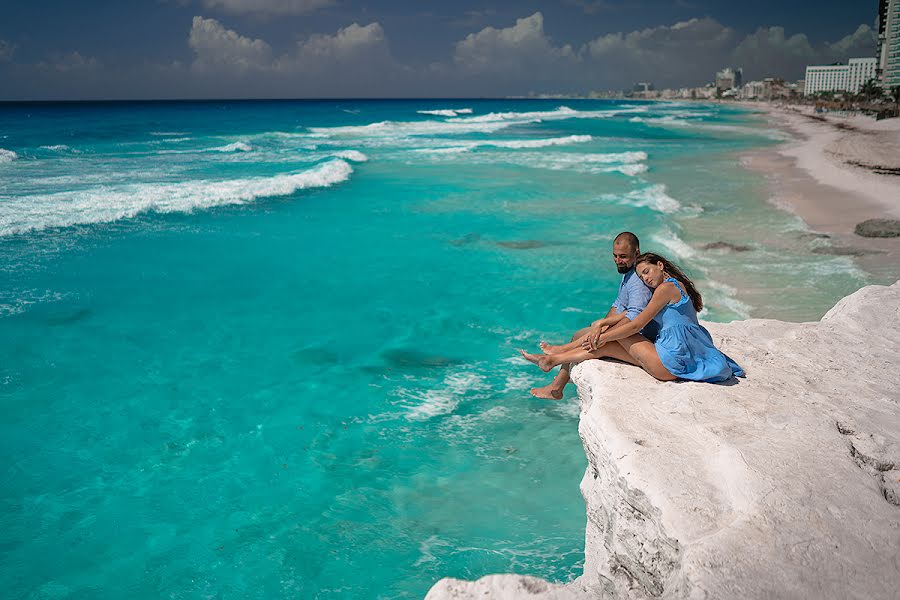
x=380 y=48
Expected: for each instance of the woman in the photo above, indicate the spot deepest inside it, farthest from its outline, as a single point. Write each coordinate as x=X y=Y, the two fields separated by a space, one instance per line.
x=683 y=348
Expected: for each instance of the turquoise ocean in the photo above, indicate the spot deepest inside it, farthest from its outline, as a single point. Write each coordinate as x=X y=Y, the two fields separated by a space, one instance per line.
x=268 y=349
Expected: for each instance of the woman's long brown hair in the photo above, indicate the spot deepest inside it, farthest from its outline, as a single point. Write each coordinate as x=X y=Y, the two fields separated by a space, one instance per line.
x=673 y=270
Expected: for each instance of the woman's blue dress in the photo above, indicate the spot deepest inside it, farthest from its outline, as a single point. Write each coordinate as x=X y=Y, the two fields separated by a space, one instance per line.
x=685 y=347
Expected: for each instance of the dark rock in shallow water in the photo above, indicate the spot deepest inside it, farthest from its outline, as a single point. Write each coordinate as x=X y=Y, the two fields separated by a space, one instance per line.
x=727 y=246
x=878 y=228
x=523 y=245
x=469 y=238
x=812 y=235
x=408 y=358
x=838 y=251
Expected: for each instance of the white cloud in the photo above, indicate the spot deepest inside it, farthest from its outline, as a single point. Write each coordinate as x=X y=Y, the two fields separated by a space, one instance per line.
x=353 y=42
x=771 y=52
x=348 y=62
x=860 y=43
x=687 y=52
x=268 y=7
x=220 y=48
x=522 y=48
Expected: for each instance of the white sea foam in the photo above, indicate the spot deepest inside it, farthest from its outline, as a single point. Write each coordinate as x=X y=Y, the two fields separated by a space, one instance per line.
x=446 y=112
x=511 y=144
x=674 y=244
x=111 y=203
x=173 y=140
x=478 y=124
x=167 y=133
x=627 y=163
x=674 y=121
x=630 y=170
x=443 y=400
x=431 y=404
x=59 y=148
x=542 y=143
x=352 y=155
x=653 y=197
x=394 y=130
x=7 y=156
x=561 y=113
x=724 y=295
x=667 y=120
x=518 y=381
x=235 y=147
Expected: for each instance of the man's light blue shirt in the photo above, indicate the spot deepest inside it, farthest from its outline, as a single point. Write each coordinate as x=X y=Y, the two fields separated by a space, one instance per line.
x=633 y=297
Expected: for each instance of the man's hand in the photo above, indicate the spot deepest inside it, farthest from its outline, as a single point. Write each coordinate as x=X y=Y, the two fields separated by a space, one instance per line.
x=592 y=340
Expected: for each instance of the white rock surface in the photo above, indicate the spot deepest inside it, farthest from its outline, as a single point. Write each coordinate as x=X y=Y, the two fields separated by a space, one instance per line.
x=783 y=485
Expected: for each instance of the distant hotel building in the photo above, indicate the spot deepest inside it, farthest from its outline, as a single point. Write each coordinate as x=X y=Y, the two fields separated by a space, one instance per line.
x=729 y=78
x=888 y=62
x=840 y=78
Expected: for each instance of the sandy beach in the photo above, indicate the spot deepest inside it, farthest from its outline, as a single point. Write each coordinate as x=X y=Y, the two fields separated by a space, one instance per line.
x=835 y=172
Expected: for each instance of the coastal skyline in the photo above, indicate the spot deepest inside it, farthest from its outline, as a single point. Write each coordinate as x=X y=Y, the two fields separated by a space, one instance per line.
x=323 y=48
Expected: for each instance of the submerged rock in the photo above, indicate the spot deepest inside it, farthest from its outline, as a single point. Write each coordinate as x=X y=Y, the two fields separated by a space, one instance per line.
x=784 y=485
x=843 y=251
x=523 y=245
x=727 y=246
x=413 y=358
x=878 y=228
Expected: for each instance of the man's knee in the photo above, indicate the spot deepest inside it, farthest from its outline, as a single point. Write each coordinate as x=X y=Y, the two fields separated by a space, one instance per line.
x=580 y=333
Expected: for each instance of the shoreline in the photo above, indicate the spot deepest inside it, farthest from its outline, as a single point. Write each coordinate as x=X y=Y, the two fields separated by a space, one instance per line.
x=834 y=173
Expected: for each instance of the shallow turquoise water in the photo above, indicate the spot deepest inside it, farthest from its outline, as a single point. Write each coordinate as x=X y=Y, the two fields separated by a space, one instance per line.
x=269 y=349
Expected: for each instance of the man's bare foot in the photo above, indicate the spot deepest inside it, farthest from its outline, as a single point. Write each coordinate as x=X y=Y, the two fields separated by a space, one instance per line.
x=549 y=348
x=544 y=361
x=548 y=392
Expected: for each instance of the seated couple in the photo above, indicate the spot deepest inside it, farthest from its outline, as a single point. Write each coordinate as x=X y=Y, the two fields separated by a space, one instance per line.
x=653 y=324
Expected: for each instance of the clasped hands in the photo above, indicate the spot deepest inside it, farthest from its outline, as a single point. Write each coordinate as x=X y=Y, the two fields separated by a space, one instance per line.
x=592 y=340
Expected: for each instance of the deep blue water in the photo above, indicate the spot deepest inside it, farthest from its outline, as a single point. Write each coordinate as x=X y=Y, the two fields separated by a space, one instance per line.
x=268 y=349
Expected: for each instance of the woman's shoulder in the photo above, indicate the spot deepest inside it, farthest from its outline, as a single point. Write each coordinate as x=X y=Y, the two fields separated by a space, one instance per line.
x=668 y=289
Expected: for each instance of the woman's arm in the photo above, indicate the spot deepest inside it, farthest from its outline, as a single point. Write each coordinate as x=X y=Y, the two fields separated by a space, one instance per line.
x=663 y=295
x=608 y=321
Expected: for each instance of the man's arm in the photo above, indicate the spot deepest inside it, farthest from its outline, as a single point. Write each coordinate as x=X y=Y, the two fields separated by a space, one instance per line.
x=664 y=294
x=611 y=318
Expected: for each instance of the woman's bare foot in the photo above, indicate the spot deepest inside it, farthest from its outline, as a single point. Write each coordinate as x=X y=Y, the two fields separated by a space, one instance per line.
x=544 y=361
x=548 y=392
x=549 y=348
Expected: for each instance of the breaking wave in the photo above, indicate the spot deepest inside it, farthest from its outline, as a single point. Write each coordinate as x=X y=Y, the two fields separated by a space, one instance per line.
x=106 y=204
x=480 y=124
x=512 y=144
x=351 y=155
x=653 y=197
x=7 y=156
x=235 y=147
x=446 y=112
x=626 y=163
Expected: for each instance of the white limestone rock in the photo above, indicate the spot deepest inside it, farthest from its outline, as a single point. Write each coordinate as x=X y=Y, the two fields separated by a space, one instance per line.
x=505 y=587
x=785 y=484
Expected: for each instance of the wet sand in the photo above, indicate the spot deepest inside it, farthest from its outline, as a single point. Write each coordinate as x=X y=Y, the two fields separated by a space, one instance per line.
x=835 y=173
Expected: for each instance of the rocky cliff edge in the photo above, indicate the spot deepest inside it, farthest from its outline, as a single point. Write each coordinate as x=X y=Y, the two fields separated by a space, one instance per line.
x=785 y=484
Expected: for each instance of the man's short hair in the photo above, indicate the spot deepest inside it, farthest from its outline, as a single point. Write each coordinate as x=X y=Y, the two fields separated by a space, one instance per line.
x=629 y=238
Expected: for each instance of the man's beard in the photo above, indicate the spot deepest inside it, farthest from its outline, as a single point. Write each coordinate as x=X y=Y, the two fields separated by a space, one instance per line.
x=623 y=269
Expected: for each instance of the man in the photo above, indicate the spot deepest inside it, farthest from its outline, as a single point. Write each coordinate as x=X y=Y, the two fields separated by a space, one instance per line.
x=632 y=299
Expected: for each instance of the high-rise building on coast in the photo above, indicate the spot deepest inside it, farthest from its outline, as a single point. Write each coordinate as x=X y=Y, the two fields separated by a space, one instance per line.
x=839 y=78
x=888 y=61
x=859 y=71
x=729 y=78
